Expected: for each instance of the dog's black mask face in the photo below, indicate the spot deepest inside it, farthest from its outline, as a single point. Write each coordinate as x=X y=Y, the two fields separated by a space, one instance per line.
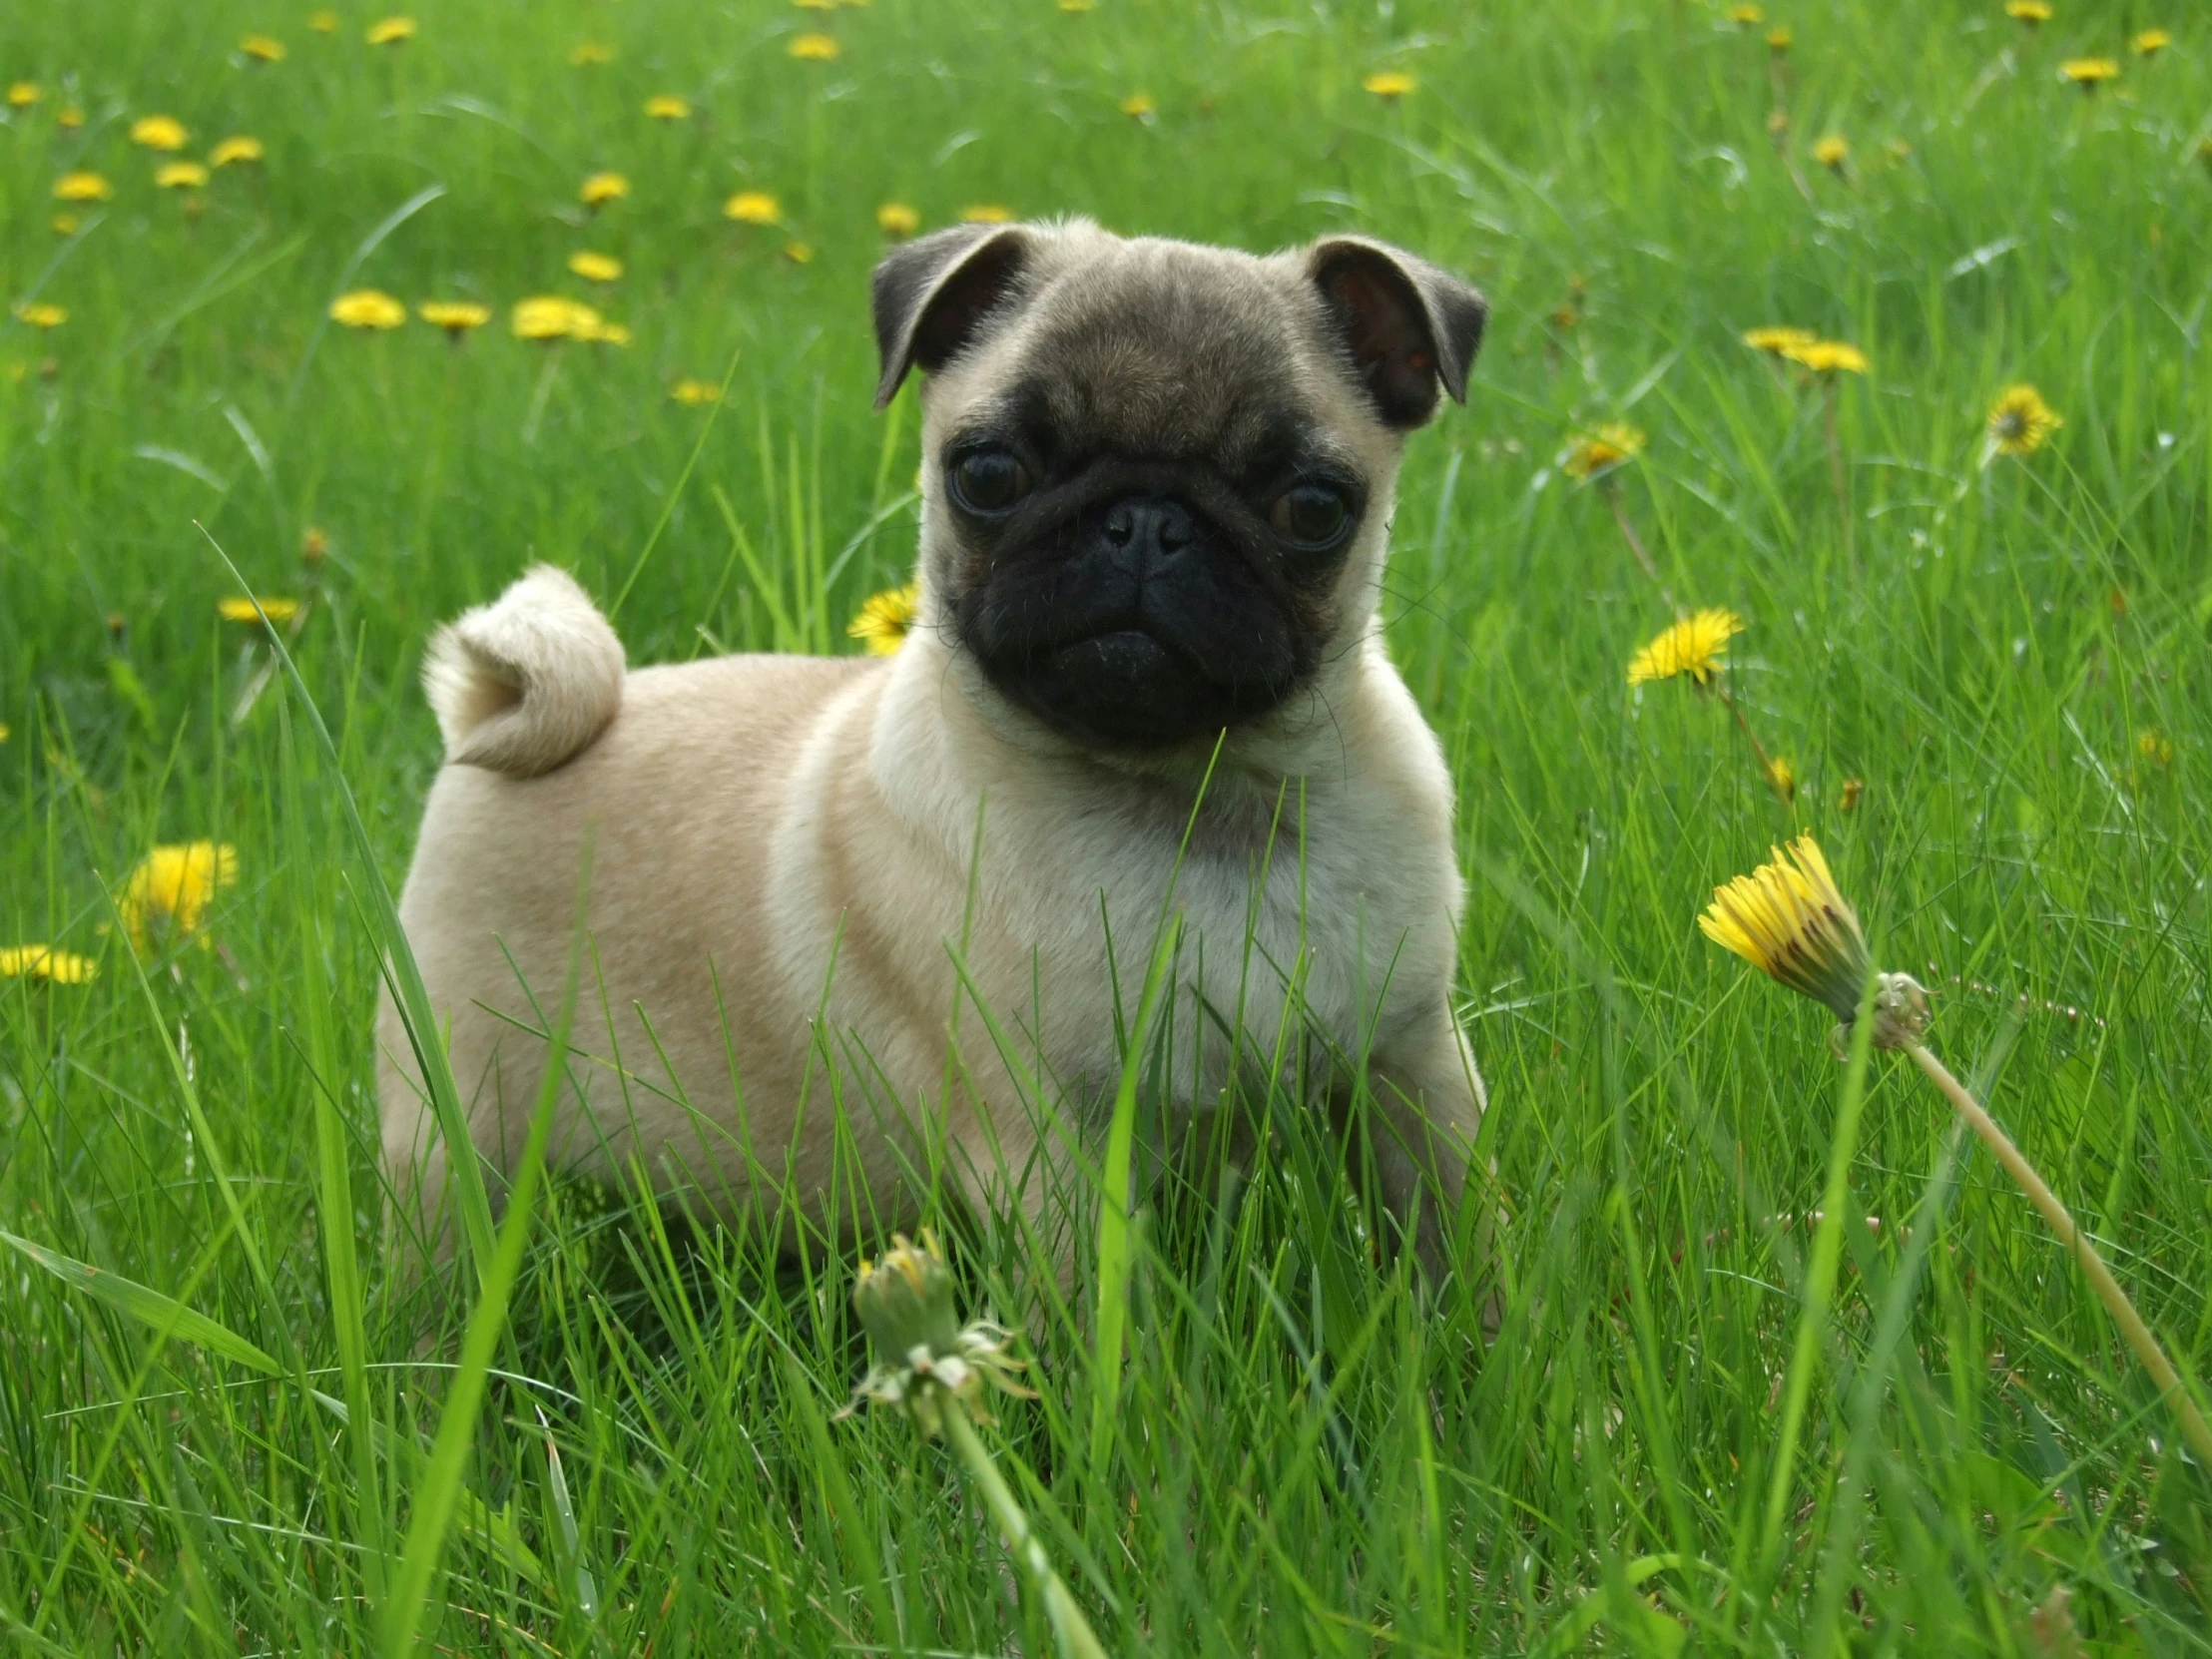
x=1157 y=468
x=1142 y=573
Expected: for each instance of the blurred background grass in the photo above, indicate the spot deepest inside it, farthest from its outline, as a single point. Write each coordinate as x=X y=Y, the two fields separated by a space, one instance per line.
x=2011 y=662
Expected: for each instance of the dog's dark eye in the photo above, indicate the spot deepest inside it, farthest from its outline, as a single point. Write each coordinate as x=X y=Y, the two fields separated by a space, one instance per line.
x=1311 y=514
x=988 y=480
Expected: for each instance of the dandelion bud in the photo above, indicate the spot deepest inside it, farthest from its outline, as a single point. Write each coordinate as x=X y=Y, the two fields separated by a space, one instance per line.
x=905 y=1301
x=923 y=1353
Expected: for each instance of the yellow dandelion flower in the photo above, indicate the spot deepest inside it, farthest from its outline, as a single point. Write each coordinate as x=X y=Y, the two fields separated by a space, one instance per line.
x=70 y=115
x=240 y=609
x=1780 y=40
x=986 y=213
x=23 y=93
x=815 y=5
x=1781 y=778
x=2150 y=42
x=814 y=48
x=1855 y=790
x=42 y=962
x=159 y=131
x=2020 y=421
x=799 y=253
x=391 y=31
x=65 y=225
x=595 y=267
x=172 y=888
x=1832 y=152
x=233 y=150
x=455 y=316
x=2090 y=73
x=586 y=53
x=597 y=330
x=1827 y=356
x=886 y=619
x=1788 y=920
x=602 y=187
x=1745 y=17
x=1602 y=451
x=324 y=23
x=752 y=206
x=692 y=394
x=1139 y=106
x=2029 y=12
x=550 y=318
x=896 y=219
x=262 y=49
x=37 y=313
x=180 y=175
x=1076 y=8
x=82 y=186
x=1695 y=645
x=666 y=106
x=1389 y=82
x=1777 y=341
x=367 y=309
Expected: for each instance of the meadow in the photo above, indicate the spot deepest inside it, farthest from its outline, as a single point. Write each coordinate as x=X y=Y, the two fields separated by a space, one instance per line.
x=1706 y=1419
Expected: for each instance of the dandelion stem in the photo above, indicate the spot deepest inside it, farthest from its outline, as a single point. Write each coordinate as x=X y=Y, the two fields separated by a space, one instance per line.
x=1758 y=748
x=1076 y=1638
x=1835 y=473
x=1636 y=544
x=2108 y=1290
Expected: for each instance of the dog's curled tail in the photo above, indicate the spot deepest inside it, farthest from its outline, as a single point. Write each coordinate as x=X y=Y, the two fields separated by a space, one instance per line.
x=527 y=682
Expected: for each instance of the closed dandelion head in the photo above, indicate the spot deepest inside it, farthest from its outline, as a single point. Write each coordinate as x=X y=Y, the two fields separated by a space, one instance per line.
x=455 y=316
x=42 y=962
x=799 y=253
x=2150 y=42
x=2021 y=422
x=896 y=219
x=169 y=892
x=1696 y=646
x=367 y=309
x=602 y=187
x=752 y=206
x=159 y=131
x=885 y=618
x=814 y=48
x=2090 y=73
x=1778 y=341
x=1827 y=356
x=906 y=1305
x=1788 y=919
x=1833 y=151
x=1602 y=451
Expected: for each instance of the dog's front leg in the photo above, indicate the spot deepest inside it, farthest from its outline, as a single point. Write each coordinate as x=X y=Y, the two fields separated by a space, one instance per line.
x=1427 y=1105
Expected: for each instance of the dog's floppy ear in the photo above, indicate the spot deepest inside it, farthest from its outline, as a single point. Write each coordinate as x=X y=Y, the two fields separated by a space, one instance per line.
x=930 y=294
x=1406 y=326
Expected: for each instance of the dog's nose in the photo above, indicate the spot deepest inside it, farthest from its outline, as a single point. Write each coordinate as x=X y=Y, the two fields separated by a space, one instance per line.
x=1148 y=527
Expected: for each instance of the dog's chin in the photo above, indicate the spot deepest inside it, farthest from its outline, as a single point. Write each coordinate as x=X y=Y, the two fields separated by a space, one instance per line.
x=1127 y=690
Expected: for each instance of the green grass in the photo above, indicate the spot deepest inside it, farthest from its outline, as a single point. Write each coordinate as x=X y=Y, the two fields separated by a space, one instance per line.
x=1304 y=1454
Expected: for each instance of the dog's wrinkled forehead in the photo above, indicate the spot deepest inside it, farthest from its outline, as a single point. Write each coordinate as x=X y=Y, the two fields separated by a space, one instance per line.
x=1162 y=352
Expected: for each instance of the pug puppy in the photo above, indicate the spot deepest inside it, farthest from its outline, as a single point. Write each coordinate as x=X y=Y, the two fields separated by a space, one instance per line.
x=1146 y=676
